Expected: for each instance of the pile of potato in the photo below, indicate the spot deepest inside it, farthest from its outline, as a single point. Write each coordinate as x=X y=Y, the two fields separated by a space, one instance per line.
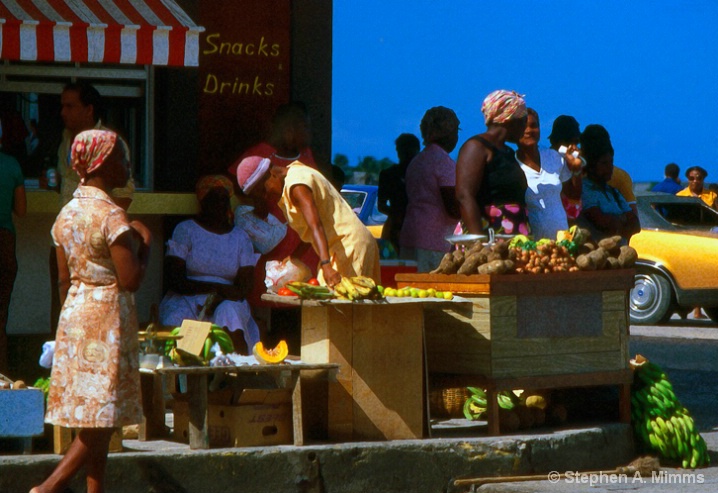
x=543 y=257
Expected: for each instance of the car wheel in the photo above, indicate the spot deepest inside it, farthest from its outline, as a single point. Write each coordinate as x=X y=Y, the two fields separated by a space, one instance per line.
x=651 y=299
x=712 y=312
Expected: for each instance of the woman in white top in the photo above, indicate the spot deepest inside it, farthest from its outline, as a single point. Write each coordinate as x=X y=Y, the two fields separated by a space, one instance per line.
x=548 y=173
x=210 y=255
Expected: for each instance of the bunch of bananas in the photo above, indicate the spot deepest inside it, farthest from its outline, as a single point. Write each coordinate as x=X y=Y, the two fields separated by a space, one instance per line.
x=357 y=288
x=308 y=291
x=216 y=335
x=659 y=420
x=476 y=405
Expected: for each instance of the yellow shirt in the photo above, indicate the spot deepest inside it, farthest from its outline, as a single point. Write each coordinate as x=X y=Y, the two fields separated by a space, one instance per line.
x=706 y=196
x=352 y=248
x=621 y=181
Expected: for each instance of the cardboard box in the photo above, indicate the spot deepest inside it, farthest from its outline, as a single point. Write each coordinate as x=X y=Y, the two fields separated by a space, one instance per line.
x=254 y=417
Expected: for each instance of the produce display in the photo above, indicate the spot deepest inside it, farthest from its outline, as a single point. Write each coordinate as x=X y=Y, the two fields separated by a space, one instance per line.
x=571 y=251
x=660 y=423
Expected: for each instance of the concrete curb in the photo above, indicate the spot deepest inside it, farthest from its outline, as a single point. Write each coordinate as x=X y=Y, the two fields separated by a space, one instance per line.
x=400 y=466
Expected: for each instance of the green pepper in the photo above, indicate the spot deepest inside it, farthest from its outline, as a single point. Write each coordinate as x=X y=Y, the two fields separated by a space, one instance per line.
x=528 y=245
x=570 y=246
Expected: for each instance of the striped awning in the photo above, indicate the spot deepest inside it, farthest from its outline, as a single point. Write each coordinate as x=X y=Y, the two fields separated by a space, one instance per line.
x=143 y=32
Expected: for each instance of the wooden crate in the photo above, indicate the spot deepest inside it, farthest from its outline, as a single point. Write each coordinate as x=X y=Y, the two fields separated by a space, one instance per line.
x=528 y=325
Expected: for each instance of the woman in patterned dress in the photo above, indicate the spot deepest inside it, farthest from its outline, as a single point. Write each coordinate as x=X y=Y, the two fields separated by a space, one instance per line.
x=102 y=258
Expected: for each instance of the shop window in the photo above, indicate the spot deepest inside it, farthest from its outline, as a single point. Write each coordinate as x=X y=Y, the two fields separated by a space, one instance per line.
x=30 y=112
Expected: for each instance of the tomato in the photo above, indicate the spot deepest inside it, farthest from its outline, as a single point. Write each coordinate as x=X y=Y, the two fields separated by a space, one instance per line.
x=285 y=292
x=313 y=281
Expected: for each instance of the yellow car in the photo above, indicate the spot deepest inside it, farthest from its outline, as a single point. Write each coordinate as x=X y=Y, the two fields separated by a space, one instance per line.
x=677 y=266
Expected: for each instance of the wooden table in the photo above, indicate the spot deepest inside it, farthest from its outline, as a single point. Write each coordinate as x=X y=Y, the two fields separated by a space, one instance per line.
x=381 y=388
x=286 y=375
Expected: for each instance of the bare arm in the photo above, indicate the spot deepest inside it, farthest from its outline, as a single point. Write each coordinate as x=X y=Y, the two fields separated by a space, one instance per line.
x=470 y=167
x=625 y=225
x=302 y=197
x=383 y=195
x=19 y=201
x=129 y=267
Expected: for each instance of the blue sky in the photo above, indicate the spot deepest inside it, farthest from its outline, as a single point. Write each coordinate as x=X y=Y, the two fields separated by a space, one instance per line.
x=646 y=70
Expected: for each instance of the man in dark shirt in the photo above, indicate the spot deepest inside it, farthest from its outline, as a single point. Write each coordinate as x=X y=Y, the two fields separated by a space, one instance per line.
x=392 y=198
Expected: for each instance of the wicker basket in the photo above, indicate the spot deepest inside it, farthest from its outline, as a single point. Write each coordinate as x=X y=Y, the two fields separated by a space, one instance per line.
x=448 y=402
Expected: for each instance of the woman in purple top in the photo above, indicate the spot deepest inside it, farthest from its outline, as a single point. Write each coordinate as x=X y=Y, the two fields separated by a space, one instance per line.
x=431 y=213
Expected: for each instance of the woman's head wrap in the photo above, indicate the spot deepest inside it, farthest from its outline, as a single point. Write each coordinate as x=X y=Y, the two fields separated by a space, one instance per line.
x=90 y=150
x=501 y=106
x=250 y=171
x=212 y=182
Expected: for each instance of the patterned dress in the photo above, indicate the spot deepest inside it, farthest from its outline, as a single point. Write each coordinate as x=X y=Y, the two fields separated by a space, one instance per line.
x=95 y=375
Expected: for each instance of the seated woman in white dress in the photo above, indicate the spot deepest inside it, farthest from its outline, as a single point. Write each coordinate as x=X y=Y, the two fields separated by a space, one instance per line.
x=208 y=254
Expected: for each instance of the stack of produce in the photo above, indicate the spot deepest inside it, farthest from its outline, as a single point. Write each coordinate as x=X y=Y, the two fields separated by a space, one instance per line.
x=217 y=335
x=660 y=423
x=571 y=251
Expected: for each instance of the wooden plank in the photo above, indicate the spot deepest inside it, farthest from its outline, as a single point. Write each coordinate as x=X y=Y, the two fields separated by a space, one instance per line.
x=558 y=347
x=388 y=387
x=539 y=364
x=477 y=362
x=615 y=300
x=514 y=284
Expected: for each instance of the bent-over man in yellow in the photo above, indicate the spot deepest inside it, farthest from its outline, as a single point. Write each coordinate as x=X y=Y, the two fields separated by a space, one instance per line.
x=319 y=215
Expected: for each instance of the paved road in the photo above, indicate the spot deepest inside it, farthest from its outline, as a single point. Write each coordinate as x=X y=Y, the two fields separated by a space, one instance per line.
x=688 y=352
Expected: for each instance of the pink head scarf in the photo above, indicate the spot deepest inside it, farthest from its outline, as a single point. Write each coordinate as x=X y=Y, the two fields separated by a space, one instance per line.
x=90 y=150
x=501 y=106
x=251 y=170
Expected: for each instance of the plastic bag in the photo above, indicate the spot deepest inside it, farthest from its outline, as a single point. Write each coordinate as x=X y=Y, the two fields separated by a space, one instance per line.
x=279 y=273
x=48 y=354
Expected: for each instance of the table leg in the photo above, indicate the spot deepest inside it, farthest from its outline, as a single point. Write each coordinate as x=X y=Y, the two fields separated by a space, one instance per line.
x=198 y=411
x=492 y=412
x=624 y=403
x=297 y=409
x=153 y=407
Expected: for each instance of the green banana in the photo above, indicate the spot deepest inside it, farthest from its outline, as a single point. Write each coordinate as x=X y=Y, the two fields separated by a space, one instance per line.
x=207 y=351
x=224 y=340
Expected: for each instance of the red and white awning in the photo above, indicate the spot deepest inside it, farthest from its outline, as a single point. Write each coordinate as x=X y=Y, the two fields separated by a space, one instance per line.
x=143 y=32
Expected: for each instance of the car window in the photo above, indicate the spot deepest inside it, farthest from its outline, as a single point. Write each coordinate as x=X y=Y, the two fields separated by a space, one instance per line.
x=376 y=217
x=355 y=199
x=692 y=215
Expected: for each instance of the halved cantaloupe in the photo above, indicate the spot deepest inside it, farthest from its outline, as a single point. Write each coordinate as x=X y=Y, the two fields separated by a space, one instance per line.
x=270 y=356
